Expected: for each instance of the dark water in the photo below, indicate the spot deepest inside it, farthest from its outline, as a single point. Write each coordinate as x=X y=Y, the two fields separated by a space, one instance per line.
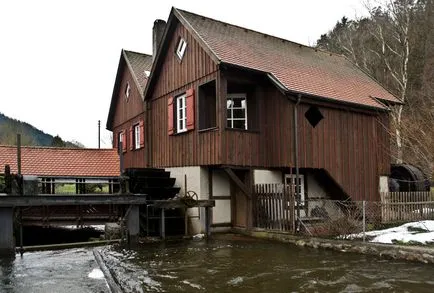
x=224 y=264
x=245 y=265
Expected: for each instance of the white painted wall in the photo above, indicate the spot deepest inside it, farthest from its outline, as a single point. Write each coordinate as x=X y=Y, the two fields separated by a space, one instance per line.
x=197 y=181
x=319 y=199
x=313 y=188
x=384 y=184
x=267 y=176
x=221 y=187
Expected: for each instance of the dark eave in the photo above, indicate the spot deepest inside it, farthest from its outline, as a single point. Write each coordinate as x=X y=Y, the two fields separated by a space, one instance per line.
x=113 y=102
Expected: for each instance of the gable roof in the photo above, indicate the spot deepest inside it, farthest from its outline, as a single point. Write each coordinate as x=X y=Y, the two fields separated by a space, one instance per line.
x=137 y=64
x=292 y=67
x=48 y=161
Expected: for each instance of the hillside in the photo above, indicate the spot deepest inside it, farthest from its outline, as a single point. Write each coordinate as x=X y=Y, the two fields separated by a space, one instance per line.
x=30 y=135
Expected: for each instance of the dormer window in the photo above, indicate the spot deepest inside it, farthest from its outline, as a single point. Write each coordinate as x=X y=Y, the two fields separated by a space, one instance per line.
x=127 y=90
x=180 y=49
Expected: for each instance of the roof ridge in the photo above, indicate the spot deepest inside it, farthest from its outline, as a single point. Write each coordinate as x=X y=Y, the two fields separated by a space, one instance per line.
x=261 y=33
x=135 y=52
x=59 y=148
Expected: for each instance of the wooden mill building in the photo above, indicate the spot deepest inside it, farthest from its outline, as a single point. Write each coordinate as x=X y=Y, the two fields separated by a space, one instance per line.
x=223 y=105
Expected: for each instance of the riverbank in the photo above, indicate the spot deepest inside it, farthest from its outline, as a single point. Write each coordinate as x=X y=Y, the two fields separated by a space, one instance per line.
x=390 y=251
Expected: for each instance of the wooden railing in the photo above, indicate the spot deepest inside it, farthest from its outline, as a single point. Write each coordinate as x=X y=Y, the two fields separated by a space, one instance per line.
x=273 y=207
x=407 y=206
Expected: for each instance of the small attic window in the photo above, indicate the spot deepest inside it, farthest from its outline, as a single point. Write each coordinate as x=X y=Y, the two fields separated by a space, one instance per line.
x=127 y=90
x=314 y=116
x=147 y=73
x=180 y=49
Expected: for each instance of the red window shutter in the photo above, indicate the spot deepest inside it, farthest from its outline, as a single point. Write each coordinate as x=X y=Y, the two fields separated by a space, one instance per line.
x=115 y=140
x=131 y=138
x=142 y=133
x=170 y=122
x=190 y=108
x=124 y=141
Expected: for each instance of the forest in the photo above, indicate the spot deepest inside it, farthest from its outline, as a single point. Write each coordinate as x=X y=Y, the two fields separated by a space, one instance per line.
x=30 y=135
x=394 y=44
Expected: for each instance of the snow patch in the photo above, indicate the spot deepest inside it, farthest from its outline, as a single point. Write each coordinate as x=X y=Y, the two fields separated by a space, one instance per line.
x=196 y=286
x=236 y=281
x=420 y=232
x=96 y=274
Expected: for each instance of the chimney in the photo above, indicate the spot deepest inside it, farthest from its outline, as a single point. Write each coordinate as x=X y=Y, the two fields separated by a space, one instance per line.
x=157 y=35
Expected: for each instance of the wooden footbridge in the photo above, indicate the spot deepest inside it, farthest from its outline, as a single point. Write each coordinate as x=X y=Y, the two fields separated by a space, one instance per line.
x=142 y=199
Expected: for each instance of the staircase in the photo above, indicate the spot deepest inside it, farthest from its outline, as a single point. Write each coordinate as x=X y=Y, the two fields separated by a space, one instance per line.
x=156 y=184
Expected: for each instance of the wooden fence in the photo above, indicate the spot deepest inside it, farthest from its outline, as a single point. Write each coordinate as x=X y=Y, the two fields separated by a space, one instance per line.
x=273 y=207
x=407 y=206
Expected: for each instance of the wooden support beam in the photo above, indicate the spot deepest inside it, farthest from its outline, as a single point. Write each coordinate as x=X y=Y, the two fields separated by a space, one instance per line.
x=238 y=182
x=163 y=225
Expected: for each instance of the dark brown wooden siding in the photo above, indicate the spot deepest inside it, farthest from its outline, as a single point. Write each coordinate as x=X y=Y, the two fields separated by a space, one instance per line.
x=350 y=145
x=176 y=73
x=132 y=158
x=128 y=113
x=190 y=148
x=130 y=108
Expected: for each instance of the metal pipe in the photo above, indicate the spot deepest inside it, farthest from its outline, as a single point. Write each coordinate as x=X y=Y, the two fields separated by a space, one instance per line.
x=19 y=153
x=297 y=172
x=99 y=134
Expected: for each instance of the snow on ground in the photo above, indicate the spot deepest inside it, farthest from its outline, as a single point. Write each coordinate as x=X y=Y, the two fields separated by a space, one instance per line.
x=421 y=232
x=96 y=274
x=100 y=228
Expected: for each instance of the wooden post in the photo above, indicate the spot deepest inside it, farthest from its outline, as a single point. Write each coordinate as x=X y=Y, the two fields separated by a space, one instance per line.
x=163 y=225
x=185 y=221
x=133 y=225
x=7 y=243
x=207 y=222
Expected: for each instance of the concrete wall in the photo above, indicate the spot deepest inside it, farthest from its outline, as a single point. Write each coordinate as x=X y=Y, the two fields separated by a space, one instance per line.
x=197 y=181
x=221 y=187
x=384 y=184
x=318 y=200
x=313 y=188
x=7 y=241
x=267 y=176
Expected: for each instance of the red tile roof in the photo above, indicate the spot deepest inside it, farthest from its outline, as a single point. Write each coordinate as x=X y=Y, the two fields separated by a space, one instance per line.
x=47 y=161
x=297 y=67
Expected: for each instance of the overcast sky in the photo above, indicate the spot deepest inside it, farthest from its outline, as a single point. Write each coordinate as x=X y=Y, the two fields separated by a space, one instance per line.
x=58 y=59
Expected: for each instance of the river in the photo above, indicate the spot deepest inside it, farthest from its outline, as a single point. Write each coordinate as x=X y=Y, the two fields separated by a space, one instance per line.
x=223 y=264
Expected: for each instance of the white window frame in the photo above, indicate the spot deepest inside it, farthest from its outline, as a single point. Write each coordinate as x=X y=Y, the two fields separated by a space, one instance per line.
x=231 y=97
x=120 y=141
x=292 y=179
x=181 y=113
x=180 y=49
x=127 y=90
x=136 y=136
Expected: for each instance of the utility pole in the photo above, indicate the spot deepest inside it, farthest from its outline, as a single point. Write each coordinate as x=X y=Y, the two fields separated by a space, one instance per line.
x=99 y=134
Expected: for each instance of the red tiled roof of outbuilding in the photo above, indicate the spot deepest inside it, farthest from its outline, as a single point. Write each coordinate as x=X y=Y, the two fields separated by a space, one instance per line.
x=52 y=161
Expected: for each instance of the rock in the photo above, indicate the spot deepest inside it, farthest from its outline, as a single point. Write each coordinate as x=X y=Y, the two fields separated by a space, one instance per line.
x=300 y=243
x=112 y=231
x=198 y=236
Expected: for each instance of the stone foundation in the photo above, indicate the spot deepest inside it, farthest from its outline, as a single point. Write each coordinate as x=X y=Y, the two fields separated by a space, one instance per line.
x=409 y=253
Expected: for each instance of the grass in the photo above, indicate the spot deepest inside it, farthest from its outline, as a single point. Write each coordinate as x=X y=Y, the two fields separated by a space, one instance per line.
x=417 y=230
x=69 y=188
